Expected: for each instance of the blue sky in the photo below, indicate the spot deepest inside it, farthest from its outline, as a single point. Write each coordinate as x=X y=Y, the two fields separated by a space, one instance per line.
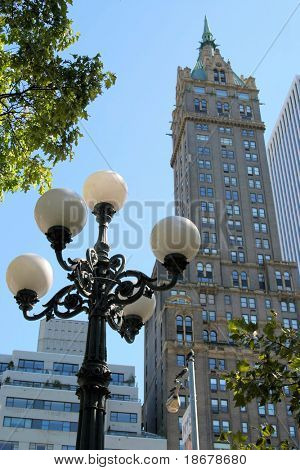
x=143 y=42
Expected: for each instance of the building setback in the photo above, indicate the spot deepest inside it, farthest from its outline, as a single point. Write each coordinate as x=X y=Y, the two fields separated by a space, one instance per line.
x=283 y=153
x=222 y=184
x=38 y=405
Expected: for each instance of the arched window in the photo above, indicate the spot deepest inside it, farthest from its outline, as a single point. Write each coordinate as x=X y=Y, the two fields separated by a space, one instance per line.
x=216 y=75
x=222 y=76
x=235 y=279
x=200 y=270
x=287 y=280
x=196 y=105
x=213 y=337
x=205 y=335
x=203 y=105
x=179 y=321
x=209 y=272
x=244 y=280
x=188 y=330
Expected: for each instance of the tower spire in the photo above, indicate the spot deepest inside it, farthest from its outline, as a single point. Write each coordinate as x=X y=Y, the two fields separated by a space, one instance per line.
x=207 y=37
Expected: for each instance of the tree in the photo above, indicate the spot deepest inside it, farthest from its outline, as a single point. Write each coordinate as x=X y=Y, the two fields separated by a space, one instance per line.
x=239 y=440
x=44 y=92
x=275 y=372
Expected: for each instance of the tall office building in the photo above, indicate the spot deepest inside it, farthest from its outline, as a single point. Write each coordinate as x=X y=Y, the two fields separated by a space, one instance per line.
x=222 y=184
x=38 y=405
x=283 y=152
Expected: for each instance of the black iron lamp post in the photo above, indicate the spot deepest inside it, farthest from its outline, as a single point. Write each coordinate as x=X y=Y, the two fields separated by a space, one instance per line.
x=99 y=285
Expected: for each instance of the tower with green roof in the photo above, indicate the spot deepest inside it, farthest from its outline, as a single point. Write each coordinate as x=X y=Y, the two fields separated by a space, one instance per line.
x=222 y=183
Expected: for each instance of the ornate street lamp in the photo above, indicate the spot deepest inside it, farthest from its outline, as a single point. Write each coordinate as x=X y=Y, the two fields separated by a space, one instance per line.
x=100 y=286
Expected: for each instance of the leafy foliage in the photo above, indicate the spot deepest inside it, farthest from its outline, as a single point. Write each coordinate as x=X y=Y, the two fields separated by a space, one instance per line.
x=239 y=440
x=43 y=91
x=277 y=350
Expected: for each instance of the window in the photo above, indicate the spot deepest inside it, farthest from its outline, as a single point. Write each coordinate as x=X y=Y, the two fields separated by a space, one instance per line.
x=3 y=366
x=200 y=106
x=213 y=384
x=199 y=90
x=212 y=363
x=180 y=360
x=225 y=130
x=224 y=406
x=260 y=259
x=208 y=192
x=245 y=111
x=243 y=96
x=261 y=281
x=243 y=409
x=214 y=404
x=222 y=385
x=213 y=337
x=228 y=316
x=204 y=164
x=44 y=424
x=36 y=446
x=278 y=280
x=244 y=280
x=271 y=409
x=261 y=410
x=30 y=365
x=216 y=426
x=244 y=427
x=222 y=93
x=292 y=431
x=287 y=280
x=201 y=127
x=227 y=299
x=205 y=336
x=227 y=153
x=248 y=132
x=235 y=279
x=205 y=177
x=15 y=402
x=9 y=445
x=116 y=416
x=226 y=141
x=222 y=108
x=202 y=137
x=203 y=150
x=65 y=369
x=274 y=433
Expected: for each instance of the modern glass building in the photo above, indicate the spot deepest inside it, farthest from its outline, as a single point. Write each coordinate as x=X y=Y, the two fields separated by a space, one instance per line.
x=283 y=153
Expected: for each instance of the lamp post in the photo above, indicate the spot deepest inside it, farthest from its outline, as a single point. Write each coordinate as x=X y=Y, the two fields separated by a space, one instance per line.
x=173 y=402
x=99 y=285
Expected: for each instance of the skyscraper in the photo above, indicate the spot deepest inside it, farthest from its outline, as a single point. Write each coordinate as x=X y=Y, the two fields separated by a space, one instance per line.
x=222 y=184
x=283 y=153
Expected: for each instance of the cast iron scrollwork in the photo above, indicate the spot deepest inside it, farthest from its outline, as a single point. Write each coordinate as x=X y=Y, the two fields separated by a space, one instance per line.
x=64 y=304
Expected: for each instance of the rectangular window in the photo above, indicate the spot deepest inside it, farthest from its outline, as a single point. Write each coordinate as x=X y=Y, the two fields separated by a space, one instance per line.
x=243 y=96
x=123 y=417
x=214 y=404
x=216 y=426
x=213 y=384
x=228 y=316
x=117 y=378
x=65 y=369
x=30 y=365
x=222 y=385
x=292 y=431
x=221 y=93
x=180 y=360
x=202 y=137
x=226 y=141
x=224 y=406
x=203 y=150
x=199 y=90
x=244 y=427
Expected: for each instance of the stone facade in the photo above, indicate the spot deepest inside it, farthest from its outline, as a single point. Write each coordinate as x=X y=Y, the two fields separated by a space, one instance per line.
x=222 y=184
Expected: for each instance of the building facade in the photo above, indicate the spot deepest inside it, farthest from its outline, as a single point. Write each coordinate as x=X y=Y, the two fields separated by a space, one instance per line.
x=38 y=405
x=222 y=183
x=283 y=152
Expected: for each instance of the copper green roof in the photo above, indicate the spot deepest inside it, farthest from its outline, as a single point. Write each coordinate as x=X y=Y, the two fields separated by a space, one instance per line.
x=198 y=72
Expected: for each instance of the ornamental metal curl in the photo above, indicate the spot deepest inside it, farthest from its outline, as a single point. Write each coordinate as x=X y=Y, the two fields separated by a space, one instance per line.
x=72 y=303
